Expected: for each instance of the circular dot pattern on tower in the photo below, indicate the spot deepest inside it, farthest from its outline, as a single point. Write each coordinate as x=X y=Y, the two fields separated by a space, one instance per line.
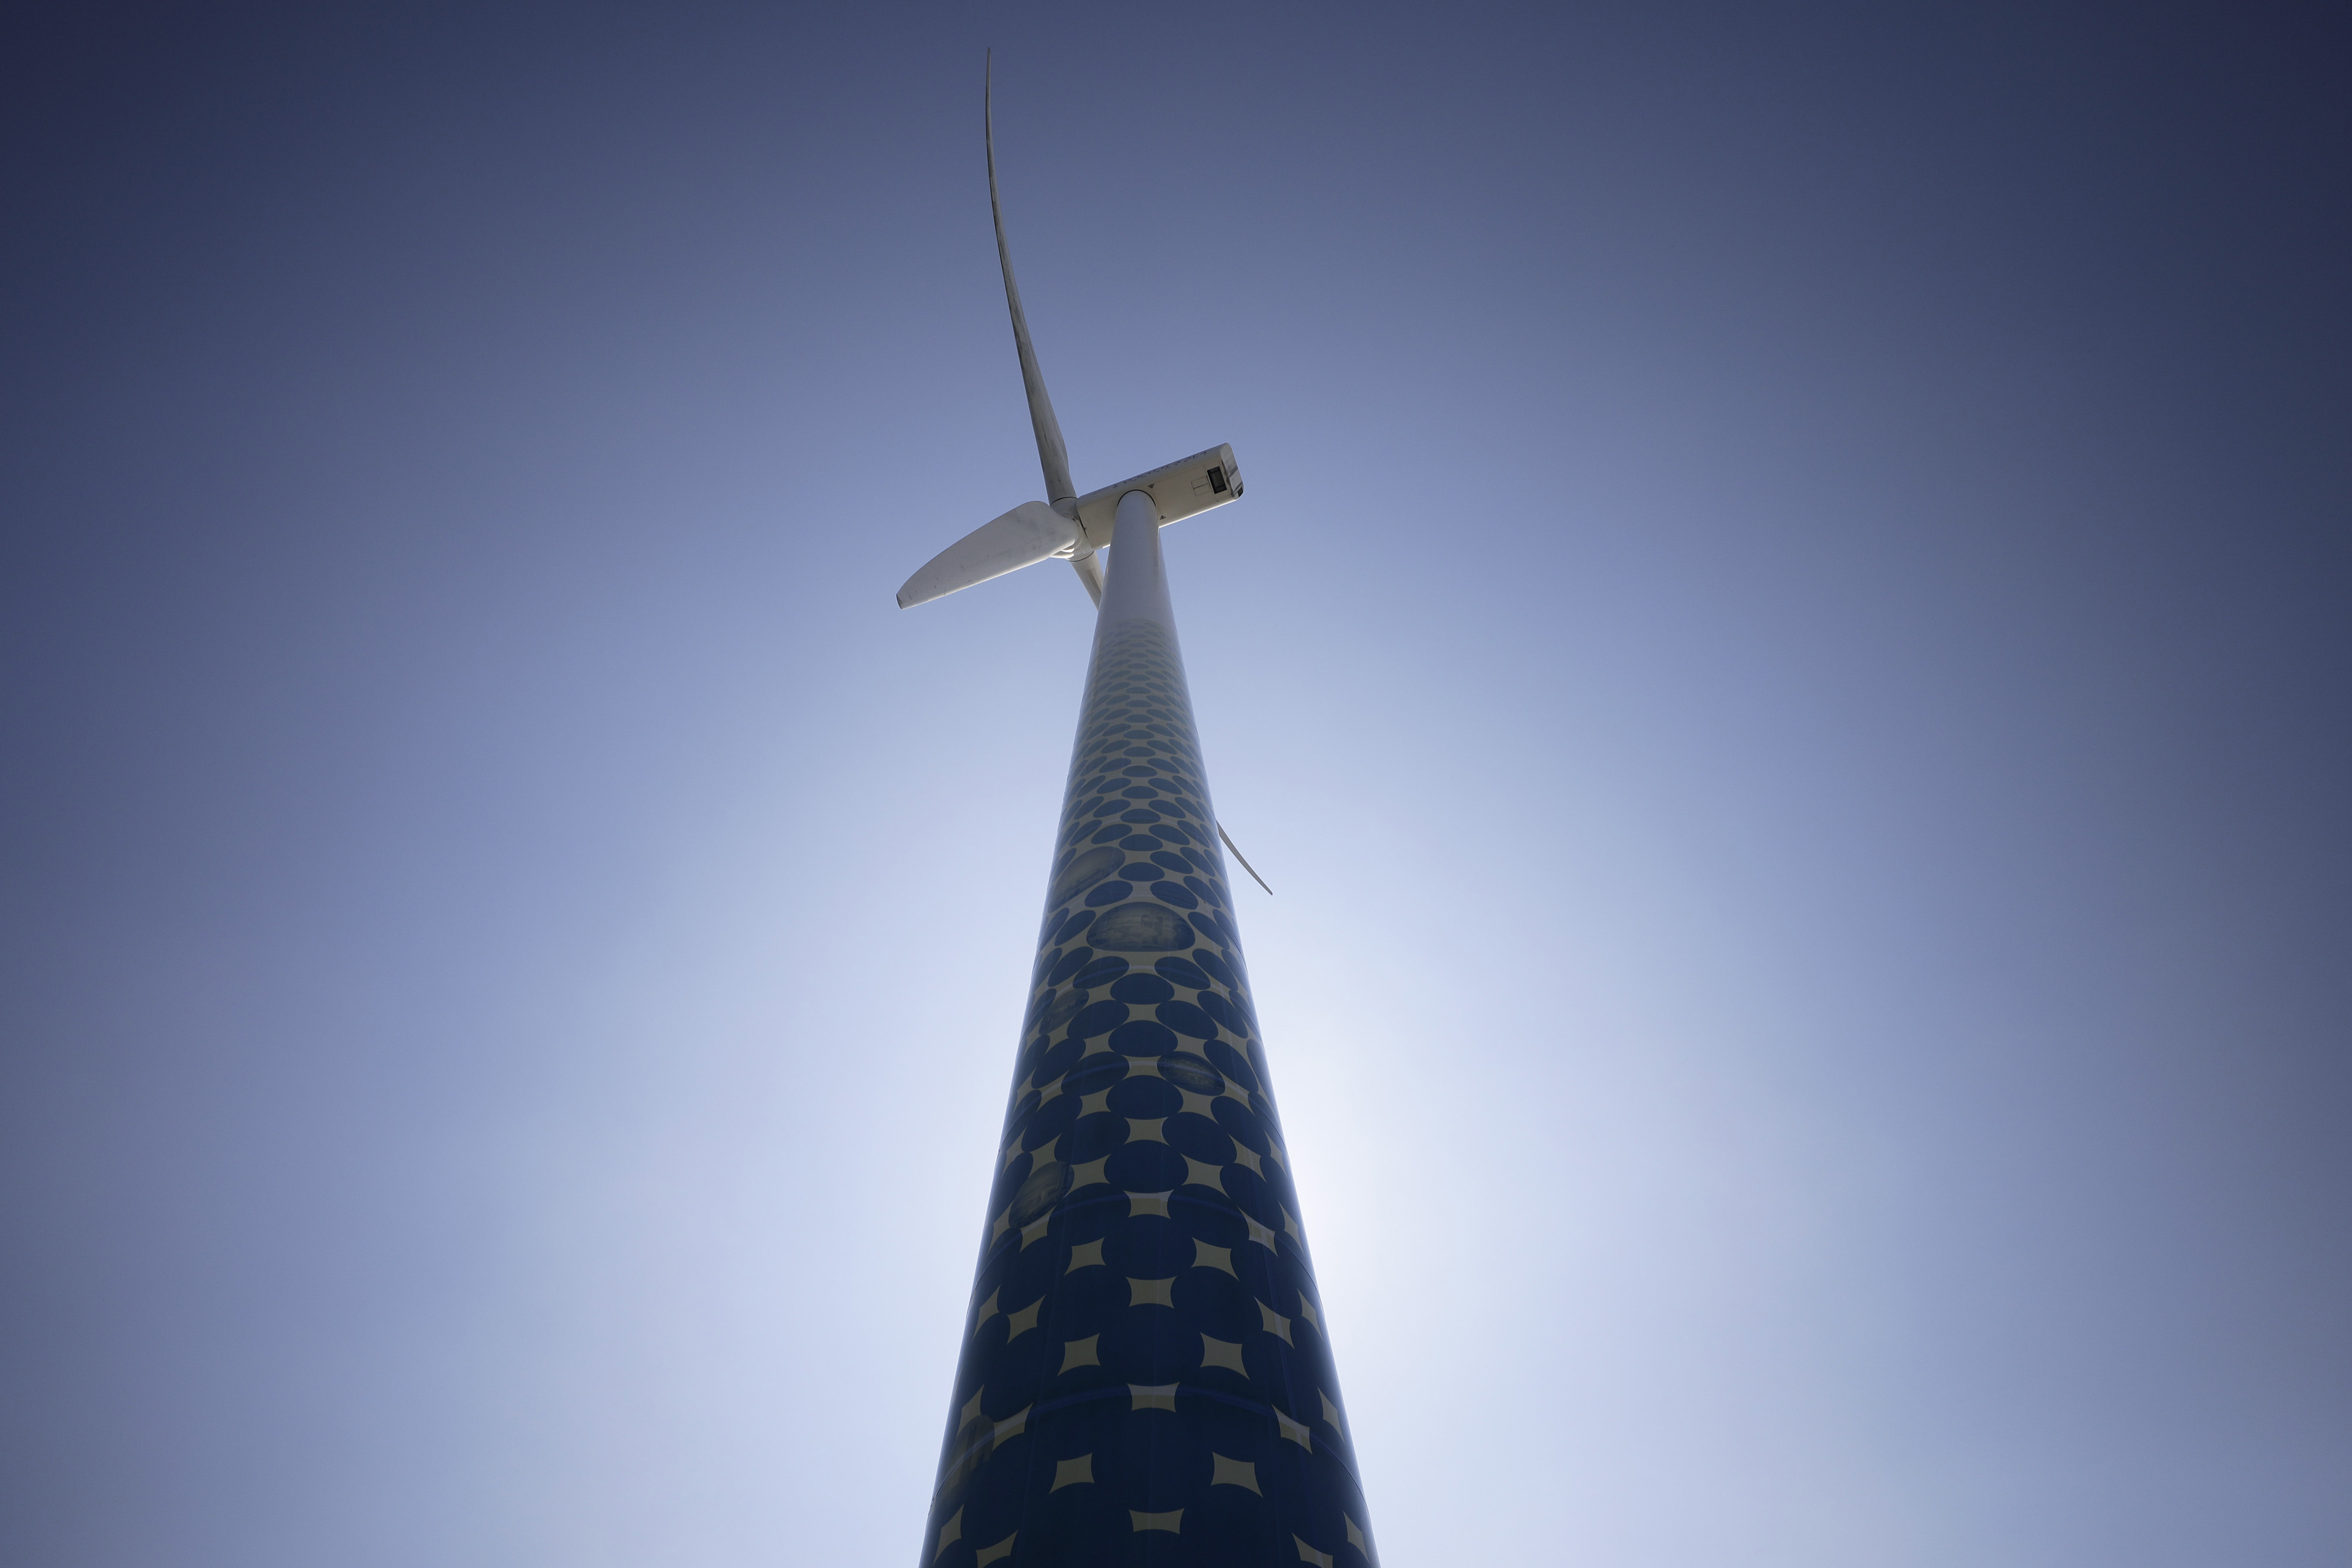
x=1144 y=1377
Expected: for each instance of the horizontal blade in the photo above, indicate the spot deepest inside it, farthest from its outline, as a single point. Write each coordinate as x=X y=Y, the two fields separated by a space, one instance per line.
x=1029 y=533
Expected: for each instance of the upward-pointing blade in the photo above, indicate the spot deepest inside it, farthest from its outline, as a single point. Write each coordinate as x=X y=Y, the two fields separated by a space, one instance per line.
x=1051 y=455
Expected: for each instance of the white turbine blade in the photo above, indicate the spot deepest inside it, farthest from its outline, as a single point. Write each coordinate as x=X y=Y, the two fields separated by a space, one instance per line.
x=1052 y=456
x=1029 y=533
x=1090 y=572
x=1239 y=856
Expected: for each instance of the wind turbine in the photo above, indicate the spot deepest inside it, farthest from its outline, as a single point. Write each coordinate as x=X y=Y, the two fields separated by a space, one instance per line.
x=1144 y=1376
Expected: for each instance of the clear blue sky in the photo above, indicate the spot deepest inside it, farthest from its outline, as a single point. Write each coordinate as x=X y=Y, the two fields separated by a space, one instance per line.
x=1786 y=655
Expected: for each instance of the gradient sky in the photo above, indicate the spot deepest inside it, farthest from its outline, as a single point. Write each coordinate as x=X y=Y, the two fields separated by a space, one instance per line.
x=1786 y=655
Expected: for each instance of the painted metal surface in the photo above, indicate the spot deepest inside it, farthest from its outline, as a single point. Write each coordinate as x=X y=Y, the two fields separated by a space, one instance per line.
x=1180 y=490
x=1145 y=1378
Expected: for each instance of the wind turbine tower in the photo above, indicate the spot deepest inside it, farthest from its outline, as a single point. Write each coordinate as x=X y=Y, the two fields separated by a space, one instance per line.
x=1144 y=1378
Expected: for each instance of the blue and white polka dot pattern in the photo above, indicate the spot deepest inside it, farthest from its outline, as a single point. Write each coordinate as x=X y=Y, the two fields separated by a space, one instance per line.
x=1145 y=1377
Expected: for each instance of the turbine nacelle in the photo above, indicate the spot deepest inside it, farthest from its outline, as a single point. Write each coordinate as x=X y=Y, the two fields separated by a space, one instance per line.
x=1179 y=489
x=1065 y=525
x=1034 y=531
